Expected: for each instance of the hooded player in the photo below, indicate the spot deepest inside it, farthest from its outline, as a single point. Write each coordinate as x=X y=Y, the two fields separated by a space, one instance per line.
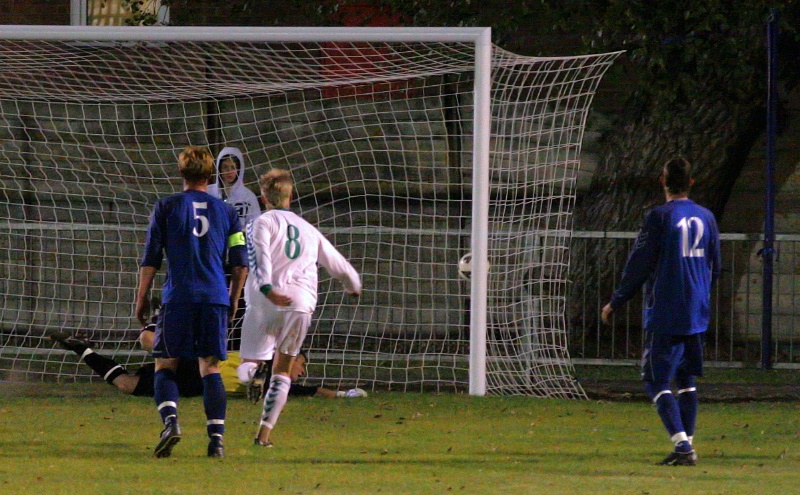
x=228 y=185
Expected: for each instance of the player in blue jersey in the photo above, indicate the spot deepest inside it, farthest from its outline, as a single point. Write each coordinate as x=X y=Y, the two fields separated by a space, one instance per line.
x=195 y=230
x=677 y=257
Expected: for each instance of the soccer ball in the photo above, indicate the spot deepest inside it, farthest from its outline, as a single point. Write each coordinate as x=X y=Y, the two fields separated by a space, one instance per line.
x=465 y=267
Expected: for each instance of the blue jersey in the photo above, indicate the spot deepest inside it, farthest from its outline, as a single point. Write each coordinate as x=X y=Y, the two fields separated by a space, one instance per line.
x=194 y=229
x=676 y=256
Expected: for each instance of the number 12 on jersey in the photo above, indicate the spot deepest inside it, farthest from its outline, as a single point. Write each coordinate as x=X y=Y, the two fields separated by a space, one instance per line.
x=686 y=225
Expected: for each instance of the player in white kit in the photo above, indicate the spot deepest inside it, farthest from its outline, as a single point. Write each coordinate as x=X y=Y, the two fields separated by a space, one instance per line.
x=281 y=289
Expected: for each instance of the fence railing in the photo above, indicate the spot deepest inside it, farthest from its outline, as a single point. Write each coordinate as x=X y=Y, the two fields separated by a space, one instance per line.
x=734 y=335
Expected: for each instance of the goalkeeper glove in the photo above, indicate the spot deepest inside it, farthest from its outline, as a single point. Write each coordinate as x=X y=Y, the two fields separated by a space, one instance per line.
x=353 y=392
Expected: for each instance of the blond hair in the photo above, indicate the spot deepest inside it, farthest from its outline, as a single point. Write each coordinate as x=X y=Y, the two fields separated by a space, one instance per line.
x=196 y=164
x=276 y=186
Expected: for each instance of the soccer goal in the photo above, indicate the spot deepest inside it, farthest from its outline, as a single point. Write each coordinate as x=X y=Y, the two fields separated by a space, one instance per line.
x=410 y=147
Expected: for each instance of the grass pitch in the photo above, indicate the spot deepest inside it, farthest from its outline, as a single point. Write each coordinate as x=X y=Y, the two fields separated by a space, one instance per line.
x=89 y=439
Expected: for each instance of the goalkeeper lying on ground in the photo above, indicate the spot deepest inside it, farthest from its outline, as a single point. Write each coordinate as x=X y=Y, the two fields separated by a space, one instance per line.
x=187 y=375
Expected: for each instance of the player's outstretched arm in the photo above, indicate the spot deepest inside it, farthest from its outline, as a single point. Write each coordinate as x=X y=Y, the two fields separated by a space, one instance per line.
x=325 y=392
x=334 y=394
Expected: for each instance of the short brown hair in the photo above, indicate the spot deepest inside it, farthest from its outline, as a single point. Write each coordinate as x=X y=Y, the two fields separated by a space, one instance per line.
x=196 y=164
x=677 y=175
x=276 y=186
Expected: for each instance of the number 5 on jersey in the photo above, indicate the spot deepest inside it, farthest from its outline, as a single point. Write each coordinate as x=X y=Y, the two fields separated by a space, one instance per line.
x=202 y=219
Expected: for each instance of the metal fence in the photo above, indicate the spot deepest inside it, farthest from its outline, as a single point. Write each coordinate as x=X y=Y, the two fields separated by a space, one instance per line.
x=734 y=335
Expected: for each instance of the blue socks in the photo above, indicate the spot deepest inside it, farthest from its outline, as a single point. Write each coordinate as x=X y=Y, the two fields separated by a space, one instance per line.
x=670 y=413
x=678 y=415
x=215 y=401
x=166 y=394
x=687 y=402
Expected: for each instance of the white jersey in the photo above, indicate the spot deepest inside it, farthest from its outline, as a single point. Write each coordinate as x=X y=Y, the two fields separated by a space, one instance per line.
x=283 y=251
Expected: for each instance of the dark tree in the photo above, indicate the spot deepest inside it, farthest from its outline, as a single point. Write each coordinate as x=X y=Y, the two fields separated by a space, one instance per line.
x=698 y=73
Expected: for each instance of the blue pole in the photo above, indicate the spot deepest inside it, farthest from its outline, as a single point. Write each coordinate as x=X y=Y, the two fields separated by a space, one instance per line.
x=768 y=251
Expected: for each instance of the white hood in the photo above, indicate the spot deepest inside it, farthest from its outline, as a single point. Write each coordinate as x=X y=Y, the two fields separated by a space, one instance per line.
x=238 y=195
x=215 y=189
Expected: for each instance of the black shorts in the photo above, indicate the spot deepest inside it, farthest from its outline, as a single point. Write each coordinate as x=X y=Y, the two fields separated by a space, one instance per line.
x=187 y=377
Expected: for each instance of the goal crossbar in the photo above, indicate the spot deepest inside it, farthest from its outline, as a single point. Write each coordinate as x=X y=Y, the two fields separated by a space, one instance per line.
x=246 y=34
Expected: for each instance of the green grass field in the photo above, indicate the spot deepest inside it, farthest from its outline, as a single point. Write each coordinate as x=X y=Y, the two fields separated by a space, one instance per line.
x=88 y=439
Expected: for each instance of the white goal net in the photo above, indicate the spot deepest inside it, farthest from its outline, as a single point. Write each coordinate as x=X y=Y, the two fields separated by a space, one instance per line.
x=383 y=136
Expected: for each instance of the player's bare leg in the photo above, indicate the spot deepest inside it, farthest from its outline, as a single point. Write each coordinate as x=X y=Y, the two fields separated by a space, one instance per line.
x=262 y=437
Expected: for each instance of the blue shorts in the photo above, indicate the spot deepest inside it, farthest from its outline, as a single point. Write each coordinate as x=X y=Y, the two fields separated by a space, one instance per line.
x=667 y=357
x=192 y=330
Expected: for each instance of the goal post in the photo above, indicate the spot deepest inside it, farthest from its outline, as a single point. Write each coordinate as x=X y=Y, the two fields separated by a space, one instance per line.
x=410 y=147
x=480 y=215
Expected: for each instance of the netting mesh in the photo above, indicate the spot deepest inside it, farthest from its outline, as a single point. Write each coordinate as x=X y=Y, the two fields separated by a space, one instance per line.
x=379 y=139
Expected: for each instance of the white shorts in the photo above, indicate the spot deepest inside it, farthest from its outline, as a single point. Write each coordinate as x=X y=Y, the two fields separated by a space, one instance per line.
x=265 y=329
